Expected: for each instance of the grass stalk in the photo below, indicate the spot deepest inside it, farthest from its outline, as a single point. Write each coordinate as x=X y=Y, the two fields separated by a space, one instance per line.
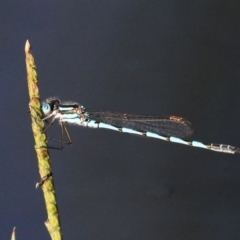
x=41 y=147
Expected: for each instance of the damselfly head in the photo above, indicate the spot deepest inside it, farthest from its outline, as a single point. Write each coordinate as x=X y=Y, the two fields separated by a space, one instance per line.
x=49 y=105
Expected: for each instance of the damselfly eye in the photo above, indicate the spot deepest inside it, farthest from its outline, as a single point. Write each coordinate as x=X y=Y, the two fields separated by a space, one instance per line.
x=46 y=108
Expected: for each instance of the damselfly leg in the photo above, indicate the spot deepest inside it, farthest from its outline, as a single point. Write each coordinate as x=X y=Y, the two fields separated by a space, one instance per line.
x=63 y=132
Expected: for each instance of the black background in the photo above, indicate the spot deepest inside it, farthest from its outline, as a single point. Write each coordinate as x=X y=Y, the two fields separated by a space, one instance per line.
x=143 y=57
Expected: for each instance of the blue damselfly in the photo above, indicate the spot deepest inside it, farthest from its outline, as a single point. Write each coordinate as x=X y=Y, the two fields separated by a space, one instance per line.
x=172 y=128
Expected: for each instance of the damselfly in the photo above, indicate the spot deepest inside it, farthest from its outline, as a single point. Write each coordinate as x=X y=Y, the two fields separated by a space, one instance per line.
x=171 y=128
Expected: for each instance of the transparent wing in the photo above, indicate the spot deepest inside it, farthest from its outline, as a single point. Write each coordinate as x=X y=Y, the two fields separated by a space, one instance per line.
x=166 y=126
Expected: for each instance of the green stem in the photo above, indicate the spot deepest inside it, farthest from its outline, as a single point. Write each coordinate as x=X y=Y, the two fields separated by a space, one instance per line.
x=41 y=147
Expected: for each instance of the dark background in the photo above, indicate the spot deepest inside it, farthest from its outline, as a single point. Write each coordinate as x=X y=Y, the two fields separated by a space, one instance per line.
x=144 y=57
